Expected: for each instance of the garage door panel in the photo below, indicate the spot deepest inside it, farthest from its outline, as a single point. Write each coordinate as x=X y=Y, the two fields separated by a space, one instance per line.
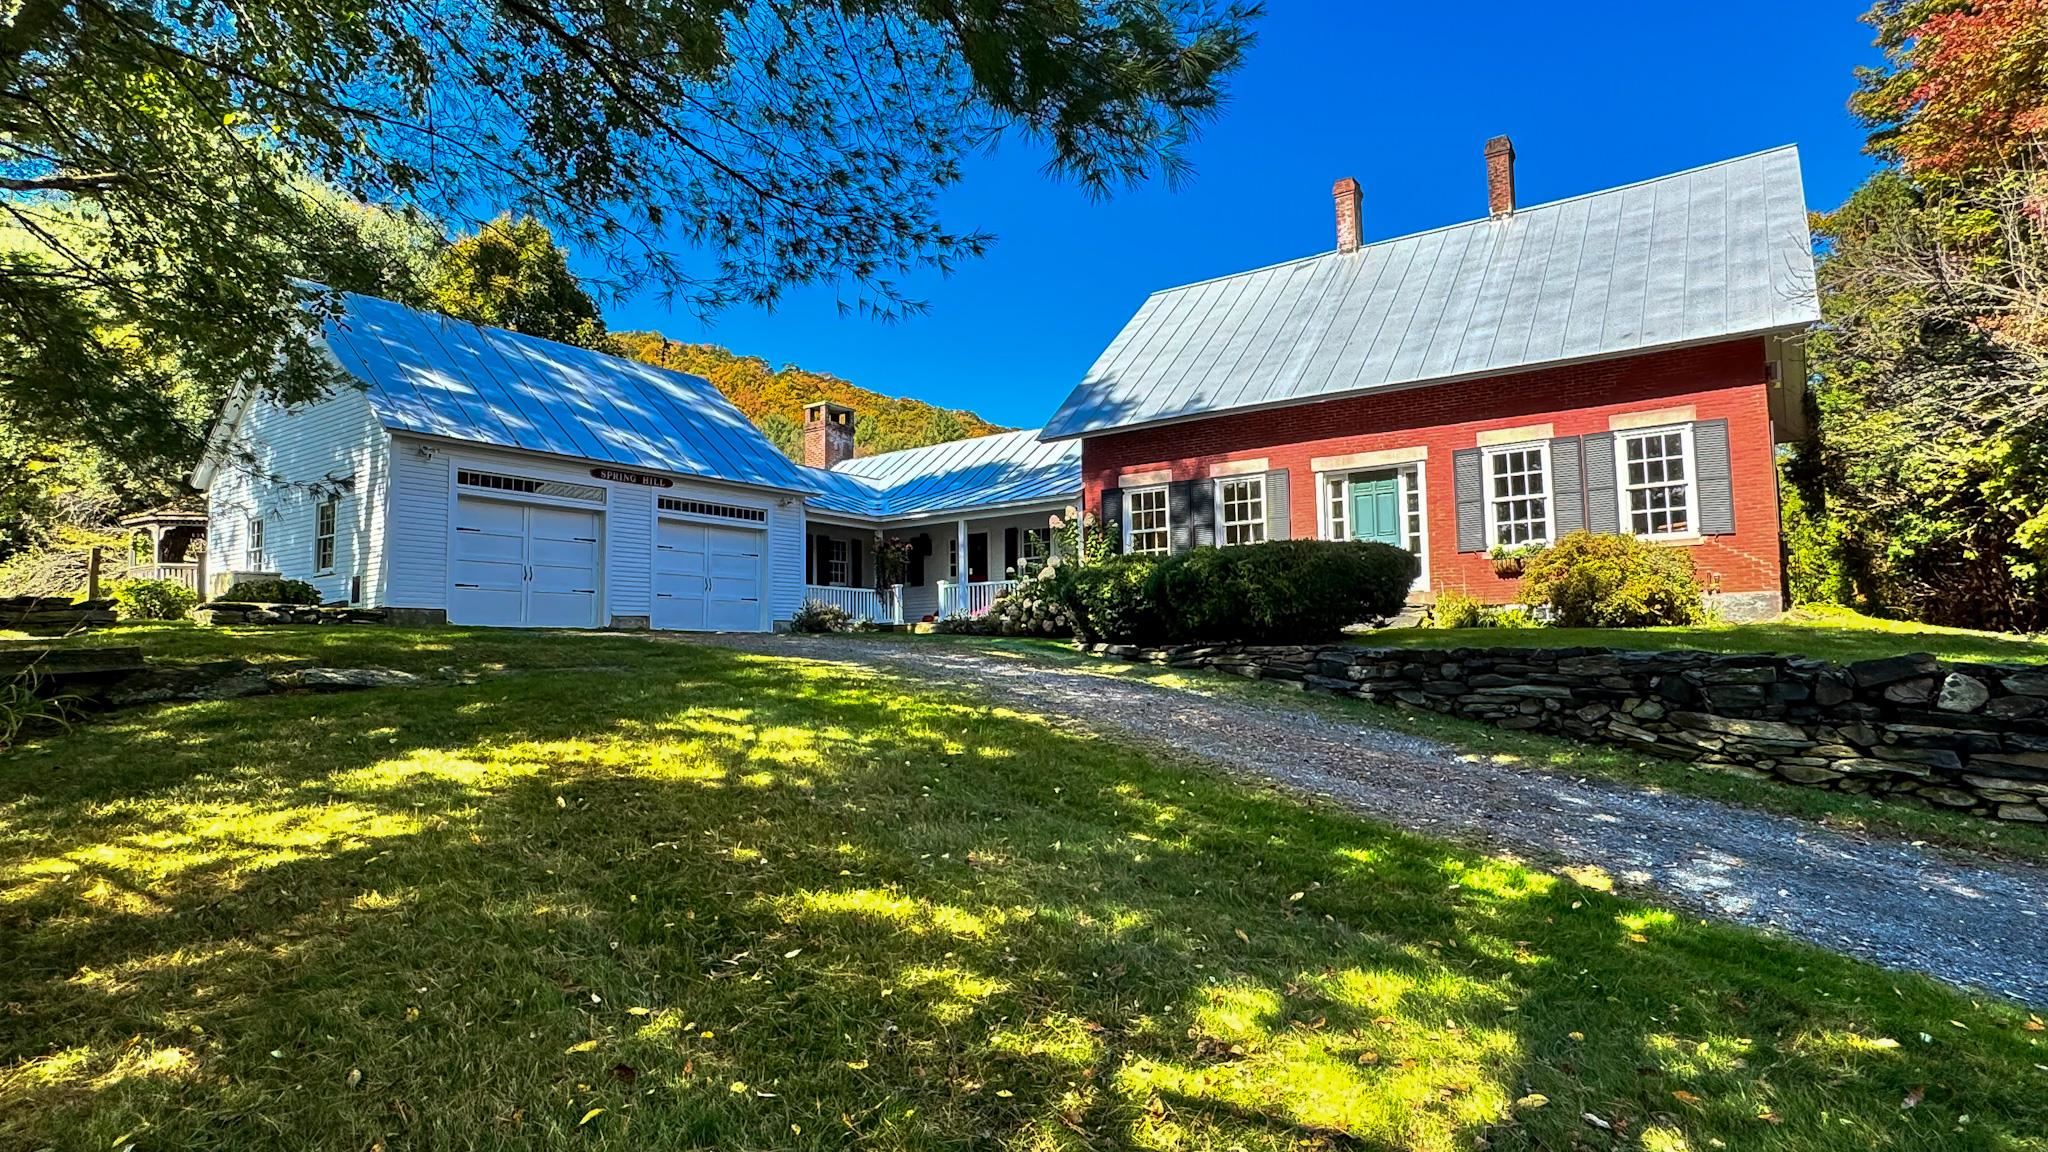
x=524 y=565
x=707 y=577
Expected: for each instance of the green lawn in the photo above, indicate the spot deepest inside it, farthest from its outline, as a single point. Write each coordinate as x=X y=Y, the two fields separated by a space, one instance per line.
x=1827 y=634
x=638 y=894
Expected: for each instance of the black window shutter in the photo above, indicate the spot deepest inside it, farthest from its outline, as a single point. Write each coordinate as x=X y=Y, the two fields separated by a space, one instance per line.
x=919 y=549
x=1201 y=514
x=1715 y=482
x=1010 y=557
x=1470 y=492
x=1279 y=521
x=853 y=565
x=1567 y=486
x=1603 y=508
x=1112 y=517
x=1180 y=515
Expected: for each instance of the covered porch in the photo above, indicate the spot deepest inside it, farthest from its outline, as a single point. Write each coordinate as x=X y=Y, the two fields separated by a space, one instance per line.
x=167 y=544
x=906 y=571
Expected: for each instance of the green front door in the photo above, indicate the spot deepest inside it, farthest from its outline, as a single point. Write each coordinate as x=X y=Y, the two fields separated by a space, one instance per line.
x=1376 y=508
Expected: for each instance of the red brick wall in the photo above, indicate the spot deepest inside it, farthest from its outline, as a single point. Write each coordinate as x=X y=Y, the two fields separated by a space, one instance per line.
x=1720 y=380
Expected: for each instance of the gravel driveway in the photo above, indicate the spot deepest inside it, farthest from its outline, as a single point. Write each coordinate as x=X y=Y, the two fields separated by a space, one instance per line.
x=1886 y=901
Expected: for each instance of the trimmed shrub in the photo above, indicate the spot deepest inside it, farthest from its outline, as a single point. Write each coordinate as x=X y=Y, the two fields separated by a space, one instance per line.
x=1455 y=609
x=271 y=592
x=152 y=599
x=818 y=616
x=1282 y=592
x=1605 y=580
x=1108 y=600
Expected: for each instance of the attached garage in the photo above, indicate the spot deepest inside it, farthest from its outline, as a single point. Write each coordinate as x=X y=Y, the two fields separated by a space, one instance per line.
x=520 y=565
x=709 y=576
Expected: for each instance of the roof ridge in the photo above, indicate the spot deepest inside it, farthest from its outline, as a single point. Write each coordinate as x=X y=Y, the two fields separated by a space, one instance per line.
x=1455 y=225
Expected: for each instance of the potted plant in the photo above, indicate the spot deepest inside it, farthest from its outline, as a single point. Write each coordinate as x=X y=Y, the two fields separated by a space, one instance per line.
x=1508 y=562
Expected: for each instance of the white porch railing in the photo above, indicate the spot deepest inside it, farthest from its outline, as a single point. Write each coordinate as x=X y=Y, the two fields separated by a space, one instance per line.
x=186 y=574
x=971 y=599
x=861 y=603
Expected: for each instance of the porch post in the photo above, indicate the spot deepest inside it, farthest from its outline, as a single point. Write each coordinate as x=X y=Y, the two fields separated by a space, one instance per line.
x=960 y=532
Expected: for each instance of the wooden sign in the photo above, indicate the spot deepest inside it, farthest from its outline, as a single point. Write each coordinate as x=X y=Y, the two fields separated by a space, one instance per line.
x=621 y=476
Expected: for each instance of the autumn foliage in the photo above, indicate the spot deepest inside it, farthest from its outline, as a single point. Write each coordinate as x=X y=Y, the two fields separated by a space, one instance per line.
x=1969 y=90
x=774 y=398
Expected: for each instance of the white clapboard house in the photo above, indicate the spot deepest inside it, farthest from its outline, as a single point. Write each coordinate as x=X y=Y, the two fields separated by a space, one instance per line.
x=480 y=476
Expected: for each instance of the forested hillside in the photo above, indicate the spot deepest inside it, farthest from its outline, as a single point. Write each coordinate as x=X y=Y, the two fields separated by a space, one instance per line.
x=774 y=398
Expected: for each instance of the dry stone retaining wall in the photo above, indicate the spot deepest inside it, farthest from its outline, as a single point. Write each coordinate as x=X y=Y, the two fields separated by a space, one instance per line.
x=227 y=612
x=1963 y=736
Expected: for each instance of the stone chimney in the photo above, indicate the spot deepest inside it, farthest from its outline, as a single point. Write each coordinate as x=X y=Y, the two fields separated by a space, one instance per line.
x=828 y=434
x=1500 y=176
x=1350 y=231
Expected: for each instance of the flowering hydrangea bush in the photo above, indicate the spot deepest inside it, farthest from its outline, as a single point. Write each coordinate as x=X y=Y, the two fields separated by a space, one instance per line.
x=1035 y=607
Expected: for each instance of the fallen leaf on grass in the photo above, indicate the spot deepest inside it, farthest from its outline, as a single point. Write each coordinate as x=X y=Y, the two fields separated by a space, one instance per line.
x=1684 y=1097
x=1241 y=935
x=1914 y=1097
x=593 y=1114
x=1532 y=1101
x=355 y=1077
x=586 y=1046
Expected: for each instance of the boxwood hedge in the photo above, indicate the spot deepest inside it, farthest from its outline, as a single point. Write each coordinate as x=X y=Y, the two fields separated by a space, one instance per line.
x=1281 y=592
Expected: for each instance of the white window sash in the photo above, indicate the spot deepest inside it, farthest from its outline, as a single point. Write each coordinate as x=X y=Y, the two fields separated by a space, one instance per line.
x=1691 y=483
x=838 y=563
x=1487 y=457
x=1255 y=526
x=1165 y=511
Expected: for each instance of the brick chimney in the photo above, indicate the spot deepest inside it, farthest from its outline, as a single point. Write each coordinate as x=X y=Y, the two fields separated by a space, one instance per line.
x=828 y=434
x=1350 y=231
x=1500 y=176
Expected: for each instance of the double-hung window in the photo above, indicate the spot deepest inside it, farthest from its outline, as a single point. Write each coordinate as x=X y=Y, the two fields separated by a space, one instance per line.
x=1146 y=528
x=1241 y=510
x=254 y=556
x=1656 y=478
x=1034 y=548
x=324 y=515
x=1518 y=495
x=838 y=566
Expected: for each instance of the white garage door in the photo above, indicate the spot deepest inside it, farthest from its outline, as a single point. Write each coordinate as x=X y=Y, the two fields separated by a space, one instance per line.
x=524 y=565
x=707 y=577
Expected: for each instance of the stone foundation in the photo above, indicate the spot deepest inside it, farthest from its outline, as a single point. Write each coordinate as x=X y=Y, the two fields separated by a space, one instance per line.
x=1969 y=737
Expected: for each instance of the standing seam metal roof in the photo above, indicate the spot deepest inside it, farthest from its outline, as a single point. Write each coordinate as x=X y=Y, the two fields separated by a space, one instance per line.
x=1712 y=253
x=957 y=476
x=435 y=376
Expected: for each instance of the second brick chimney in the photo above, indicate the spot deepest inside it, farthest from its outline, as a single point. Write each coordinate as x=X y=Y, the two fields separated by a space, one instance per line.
x=828 y=434
x=1350 y=229
x=1500 y=176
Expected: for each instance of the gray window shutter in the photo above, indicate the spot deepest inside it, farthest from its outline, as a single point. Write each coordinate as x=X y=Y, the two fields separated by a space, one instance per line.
x=1180 y=515
x=1279 y=522
x=1112 y=517
x=1470 y=488
x=1714 y=483
x=1202 y=513
x=1603 y=508
x=1567 y=495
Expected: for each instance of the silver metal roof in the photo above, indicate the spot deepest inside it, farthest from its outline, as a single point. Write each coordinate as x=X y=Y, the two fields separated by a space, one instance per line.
x=435 y=376
x=955 y=477
x=1713 y=253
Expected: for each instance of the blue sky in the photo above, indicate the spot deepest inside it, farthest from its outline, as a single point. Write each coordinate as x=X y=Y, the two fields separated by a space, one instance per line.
x=1399 y=96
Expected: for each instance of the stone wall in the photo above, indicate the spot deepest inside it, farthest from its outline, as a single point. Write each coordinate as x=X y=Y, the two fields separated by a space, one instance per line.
x=226 y=612
x=1970 y=737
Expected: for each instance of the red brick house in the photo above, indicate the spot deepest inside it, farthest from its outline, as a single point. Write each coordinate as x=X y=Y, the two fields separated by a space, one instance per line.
x=1622 y=361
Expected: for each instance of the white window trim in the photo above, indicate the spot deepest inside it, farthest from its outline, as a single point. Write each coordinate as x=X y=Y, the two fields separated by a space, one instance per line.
x=1414 y=478
x=332 y=536
x=1692 y=482
x=838 y=562
x=1216 y=498
x=1022 y=561
x=1166 y=512
x=1486 y=458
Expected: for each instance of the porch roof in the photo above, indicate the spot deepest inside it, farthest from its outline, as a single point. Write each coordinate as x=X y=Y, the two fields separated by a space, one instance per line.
x=960 y=476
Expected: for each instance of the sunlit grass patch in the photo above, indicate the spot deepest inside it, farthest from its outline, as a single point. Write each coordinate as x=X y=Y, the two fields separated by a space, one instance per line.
x=748 y=903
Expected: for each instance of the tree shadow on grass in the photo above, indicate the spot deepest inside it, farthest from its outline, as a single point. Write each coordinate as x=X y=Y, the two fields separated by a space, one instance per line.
x=736 y=902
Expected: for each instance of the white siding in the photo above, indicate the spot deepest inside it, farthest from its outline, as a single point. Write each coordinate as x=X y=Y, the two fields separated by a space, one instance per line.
x=629 y=528
x=269 y=468
x=785 y=561
x=420 y=506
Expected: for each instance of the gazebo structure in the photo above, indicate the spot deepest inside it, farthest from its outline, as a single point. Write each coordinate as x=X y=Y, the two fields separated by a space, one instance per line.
x=167 y=544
